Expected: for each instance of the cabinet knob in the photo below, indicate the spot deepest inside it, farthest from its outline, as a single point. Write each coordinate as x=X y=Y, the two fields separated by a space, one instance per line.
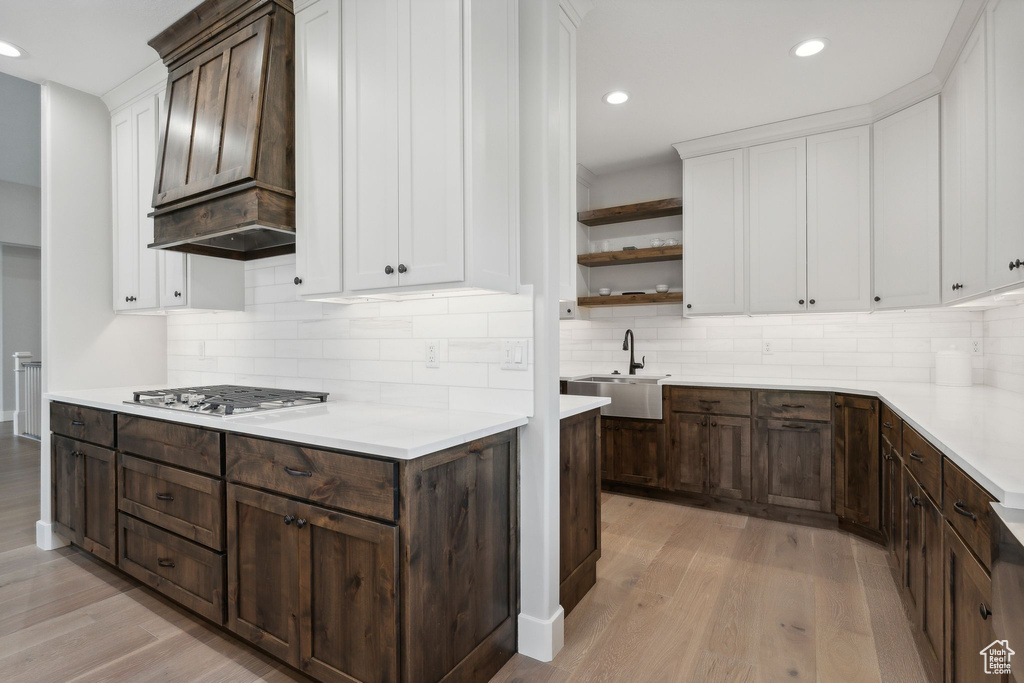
x=714 y=424
x=300 y=523
x=1016 y=264
x=288 y=519
x=297 y=280
x=402 y=268
x=877 y=299
x=812 y=302
x=985 y=611
x=801 y=302
x=177 y=294
x=914 y=500
x=130 y=298
x=689 y=305
x=388 y=270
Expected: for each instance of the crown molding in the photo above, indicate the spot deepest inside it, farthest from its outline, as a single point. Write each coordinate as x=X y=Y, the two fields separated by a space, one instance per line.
x=153 y=77
x=576 y=10
x=585 y=175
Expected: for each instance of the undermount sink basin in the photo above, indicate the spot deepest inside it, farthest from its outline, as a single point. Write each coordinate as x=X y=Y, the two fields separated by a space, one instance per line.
x=631 y=396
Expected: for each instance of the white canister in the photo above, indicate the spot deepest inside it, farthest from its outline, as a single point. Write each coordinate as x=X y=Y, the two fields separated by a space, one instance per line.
x=953 y=368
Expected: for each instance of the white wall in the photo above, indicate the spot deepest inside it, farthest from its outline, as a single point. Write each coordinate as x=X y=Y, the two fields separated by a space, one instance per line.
x=84 y=344
x=20 y=302
x=1004 y=348
x=19 y=143
x=366 y=352
x=20 y=218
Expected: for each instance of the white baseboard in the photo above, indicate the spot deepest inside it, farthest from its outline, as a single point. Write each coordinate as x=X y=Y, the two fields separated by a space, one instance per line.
x=47 y=538
x=541 y=639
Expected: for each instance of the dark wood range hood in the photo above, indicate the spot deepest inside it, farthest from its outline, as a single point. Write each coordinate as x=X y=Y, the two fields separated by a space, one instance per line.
x=225 y=180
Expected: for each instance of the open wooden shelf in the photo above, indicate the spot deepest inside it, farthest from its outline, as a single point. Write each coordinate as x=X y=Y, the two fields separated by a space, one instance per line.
x=632 y=212
x=631 y=299
x=646 y=255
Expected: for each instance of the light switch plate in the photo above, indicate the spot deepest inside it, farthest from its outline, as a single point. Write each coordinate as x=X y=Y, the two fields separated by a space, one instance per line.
x=515 y=354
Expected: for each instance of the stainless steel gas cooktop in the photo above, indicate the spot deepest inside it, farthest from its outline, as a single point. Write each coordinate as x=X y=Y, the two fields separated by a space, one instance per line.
x=227 y=399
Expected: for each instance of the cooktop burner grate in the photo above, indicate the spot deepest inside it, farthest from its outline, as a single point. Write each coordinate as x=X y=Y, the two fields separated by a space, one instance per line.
x=229 y=397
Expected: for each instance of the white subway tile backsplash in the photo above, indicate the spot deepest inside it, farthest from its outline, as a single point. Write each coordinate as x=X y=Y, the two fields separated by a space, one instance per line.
x=373 y=351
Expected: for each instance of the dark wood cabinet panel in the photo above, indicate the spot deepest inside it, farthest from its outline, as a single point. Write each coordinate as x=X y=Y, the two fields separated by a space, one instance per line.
x=729 y=457
x=924 y=461
x=183 y=571
x=857 y=462
x=793 y=464
x=82 y=424
x=892 y=502
x=348 y=604
x=580 y=506
x=687 y=453
x=709 y=400
x=793 y=405
x=633 y=451
x=360 y=484
x=85 y=496
x=913 y=571
x=922 y=569
x=968 y=509
x=189 y=504
x=263 y=571
x=176 y=444
x=968 y=606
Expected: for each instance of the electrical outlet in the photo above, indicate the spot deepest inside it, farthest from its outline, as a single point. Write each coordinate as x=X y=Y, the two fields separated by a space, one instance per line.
x=766 y=347
x=433 y=354
x=976 y=347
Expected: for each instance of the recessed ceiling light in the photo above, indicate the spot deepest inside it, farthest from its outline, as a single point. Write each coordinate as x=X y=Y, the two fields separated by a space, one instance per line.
x=616 y=97
x=9 y=50
x=809 y=47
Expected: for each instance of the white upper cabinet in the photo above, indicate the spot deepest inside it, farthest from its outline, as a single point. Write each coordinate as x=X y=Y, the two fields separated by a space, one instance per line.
x=1005 y=38
x=151 y=280
x=777 y=208
x=418 y=100
x=906 y=207
x=839 y=221
x=713 y=231
x=964 y=171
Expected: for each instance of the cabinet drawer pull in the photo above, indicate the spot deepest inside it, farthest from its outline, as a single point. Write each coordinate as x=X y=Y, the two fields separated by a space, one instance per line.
x=915 y=501
x=165 y=562
x=300 y=523
x=792 y=405
x=915 y=456
x=887 y=425
x=706 y=400
x=960 y=509
x=164 y=496
x=297 y=473
x=888 y=457
x=77 y=423
x=288 y=519
x=985 y=611
x=793 y=426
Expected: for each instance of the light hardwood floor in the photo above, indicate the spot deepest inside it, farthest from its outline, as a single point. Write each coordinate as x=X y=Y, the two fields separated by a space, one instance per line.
x=683 y=595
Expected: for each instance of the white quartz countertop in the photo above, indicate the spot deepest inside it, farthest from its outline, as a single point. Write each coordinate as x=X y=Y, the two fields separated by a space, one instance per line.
x=389 y=431
x=574 y=405
x=980 y=428
x=1013 y=518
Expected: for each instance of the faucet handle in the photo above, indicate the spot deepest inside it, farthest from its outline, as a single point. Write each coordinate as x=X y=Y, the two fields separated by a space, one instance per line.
x=643 y=361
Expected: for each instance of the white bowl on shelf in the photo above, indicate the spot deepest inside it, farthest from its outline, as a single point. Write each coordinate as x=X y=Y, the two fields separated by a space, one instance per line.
x=657 y=242
x=671 y=243
x=661 y=289
x=604 y=291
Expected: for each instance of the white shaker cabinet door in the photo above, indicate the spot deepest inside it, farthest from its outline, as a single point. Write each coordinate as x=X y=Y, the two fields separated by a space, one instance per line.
x=431 y=206
x=1005 y=24
x=777 y=209
x=951 y=131
x=905 y=154
x=370 y=143
x=839 y=221
x=145 y=115
x=318 y=150
x=126 y=234
x=713 y=232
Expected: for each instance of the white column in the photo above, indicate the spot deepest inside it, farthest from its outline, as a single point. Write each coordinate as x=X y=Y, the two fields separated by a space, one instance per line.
x=541 y=616
x=19 y=384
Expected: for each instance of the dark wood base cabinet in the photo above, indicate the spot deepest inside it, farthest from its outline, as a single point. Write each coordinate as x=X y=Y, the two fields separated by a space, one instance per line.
x=346 y=567
x=580 y=506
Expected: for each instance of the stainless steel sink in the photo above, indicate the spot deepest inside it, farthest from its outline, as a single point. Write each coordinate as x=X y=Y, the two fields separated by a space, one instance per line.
x=631 y=396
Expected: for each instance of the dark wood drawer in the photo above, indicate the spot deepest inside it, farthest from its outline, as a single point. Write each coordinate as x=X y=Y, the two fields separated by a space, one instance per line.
x=924 y=461
x=794 y=405
x=717 y=401
x=83 y=424
x=966 y=506
x=892 y=429
x=189 y=504
x=176 y=444
x=362 y=485
x=182 y=570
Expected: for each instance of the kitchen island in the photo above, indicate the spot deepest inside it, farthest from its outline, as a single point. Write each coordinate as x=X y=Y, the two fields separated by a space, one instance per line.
x=351 y=541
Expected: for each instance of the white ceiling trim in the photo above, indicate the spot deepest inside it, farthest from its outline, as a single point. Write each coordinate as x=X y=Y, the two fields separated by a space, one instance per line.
x=908 y=95
x=152 y=77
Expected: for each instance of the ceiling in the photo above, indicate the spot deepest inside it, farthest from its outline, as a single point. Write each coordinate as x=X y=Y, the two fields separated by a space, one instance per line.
x=695 y=68
x=90 y=45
